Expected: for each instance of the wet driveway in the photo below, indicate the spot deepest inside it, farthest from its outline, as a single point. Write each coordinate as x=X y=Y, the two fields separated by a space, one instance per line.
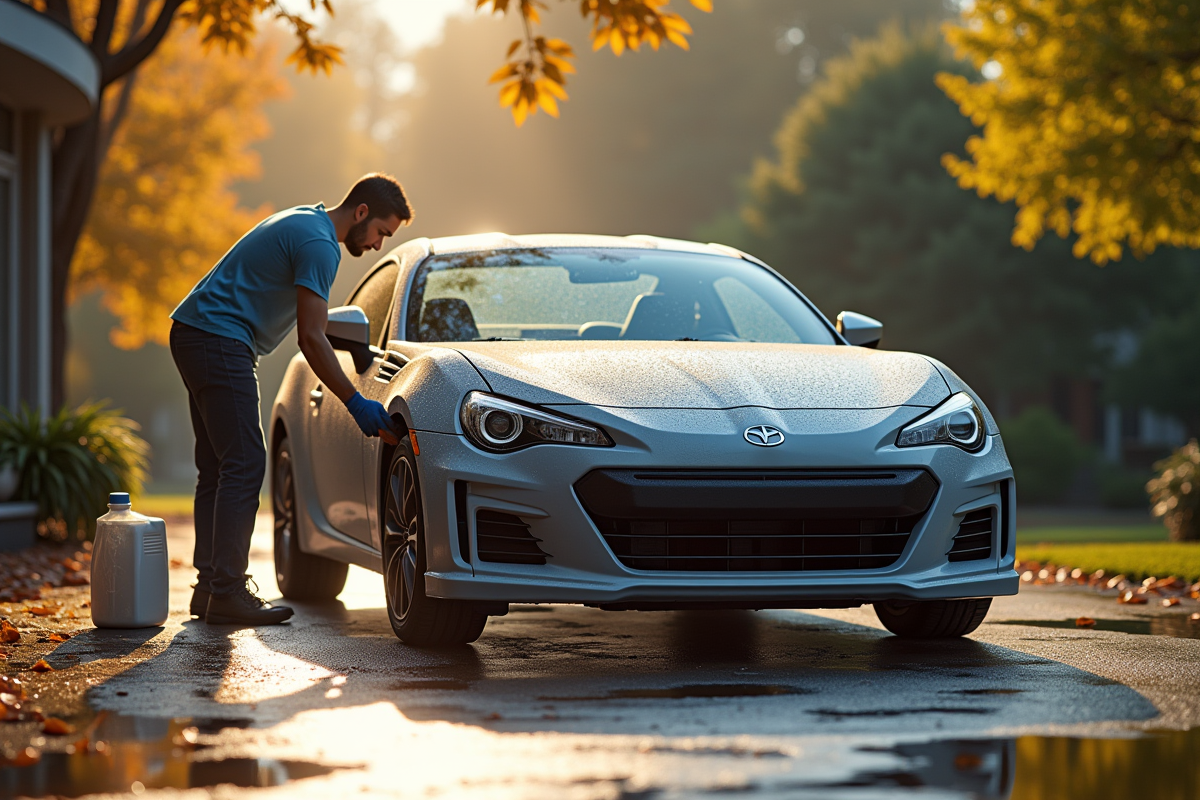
x=567 y=702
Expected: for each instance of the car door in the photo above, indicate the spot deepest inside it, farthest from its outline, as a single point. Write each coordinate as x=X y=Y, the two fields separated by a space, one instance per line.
x=337 y=443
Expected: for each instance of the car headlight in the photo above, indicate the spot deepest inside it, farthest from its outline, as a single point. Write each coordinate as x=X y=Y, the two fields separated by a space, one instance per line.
x=502 y=425
x=956 y=421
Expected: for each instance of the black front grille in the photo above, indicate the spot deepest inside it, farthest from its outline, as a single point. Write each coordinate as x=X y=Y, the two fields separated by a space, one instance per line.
x=757 y=521
x=730 y=545
x=974 y=538
x=505 y=539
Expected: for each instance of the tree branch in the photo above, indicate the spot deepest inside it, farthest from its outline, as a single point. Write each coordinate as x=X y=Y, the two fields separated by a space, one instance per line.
x=60 y=11
x=135 y=52
x=106 y=22
x=109 y=127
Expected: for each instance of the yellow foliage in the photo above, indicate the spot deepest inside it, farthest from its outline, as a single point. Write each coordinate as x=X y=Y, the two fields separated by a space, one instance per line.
x=1090 y=117
x=534 y=75
x=164 y=211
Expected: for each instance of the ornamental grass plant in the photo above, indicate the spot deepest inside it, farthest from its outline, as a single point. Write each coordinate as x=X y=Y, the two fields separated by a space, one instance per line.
x=1175 y=492
x=69 y=462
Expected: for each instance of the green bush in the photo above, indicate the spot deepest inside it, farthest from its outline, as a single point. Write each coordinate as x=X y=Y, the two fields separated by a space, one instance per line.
x=1175 y=492
x=68 y=463
x=1121 y=487
x=1045 y=454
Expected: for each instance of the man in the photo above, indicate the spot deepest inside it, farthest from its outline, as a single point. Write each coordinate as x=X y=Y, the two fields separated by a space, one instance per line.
x=276 y=276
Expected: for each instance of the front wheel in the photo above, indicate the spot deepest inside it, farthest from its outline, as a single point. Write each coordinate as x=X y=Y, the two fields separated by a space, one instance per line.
x=932 y=619
x=416 y=618
x=300 y=575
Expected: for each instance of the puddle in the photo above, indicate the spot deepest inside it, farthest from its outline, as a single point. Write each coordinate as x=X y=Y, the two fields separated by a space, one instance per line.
x=702 y=690
x=1178 y=625
x=129 y=753
x=1163 y=765
x=896 y=712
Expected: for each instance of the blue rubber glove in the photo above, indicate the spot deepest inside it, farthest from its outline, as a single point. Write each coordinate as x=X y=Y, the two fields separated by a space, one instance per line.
x=371 y=416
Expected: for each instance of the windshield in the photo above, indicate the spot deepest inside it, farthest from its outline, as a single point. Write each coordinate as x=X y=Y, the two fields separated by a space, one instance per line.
x=618 y=294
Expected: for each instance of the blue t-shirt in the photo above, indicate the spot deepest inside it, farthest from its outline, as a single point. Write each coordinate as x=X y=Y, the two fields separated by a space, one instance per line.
x=250 y=295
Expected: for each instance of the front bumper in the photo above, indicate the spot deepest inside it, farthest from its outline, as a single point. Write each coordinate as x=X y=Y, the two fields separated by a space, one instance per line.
x=537 y=485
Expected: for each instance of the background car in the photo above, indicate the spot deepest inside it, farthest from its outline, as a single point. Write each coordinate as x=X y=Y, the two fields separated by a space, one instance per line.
x=633 y=423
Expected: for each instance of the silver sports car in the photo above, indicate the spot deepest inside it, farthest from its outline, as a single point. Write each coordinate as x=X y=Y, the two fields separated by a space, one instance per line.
x=633 y=423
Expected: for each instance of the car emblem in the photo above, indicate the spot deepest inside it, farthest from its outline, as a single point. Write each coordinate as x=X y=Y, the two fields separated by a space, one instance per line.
x=763 y=436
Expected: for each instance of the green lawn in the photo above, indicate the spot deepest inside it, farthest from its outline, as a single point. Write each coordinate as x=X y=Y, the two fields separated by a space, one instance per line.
x=1138 y=560
x=164 y=505
x=1062 y=535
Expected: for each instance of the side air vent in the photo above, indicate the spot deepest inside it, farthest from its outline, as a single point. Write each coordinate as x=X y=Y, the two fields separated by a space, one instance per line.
x=974 y=538
x=505 y=539
x=390 y=365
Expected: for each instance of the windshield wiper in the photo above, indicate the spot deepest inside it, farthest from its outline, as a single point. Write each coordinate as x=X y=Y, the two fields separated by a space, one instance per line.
x=685 y=339
x=500 y=339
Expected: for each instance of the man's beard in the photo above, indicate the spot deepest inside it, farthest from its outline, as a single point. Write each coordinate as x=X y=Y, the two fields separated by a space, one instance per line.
x=356 y=238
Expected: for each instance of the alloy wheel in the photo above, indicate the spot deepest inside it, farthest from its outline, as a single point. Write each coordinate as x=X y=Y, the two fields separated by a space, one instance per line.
x=283 y=507
x=402 y=511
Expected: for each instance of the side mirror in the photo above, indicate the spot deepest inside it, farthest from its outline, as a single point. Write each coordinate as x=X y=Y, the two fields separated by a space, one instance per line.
x=349 y=329
x=859 y=329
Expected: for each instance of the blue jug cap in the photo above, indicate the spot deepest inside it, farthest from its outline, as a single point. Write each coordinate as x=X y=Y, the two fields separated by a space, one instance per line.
x=118 y=498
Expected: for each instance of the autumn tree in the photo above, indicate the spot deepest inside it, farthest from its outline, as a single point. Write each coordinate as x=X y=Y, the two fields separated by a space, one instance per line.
x=123 y=34
x=856 y=210
x=1090 y=112
x=164 y=208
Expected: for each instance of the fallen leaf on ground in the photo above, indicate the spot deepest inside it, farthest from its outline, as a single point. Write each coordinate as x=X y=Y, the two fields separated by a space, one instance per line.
x=75 y=579
x=1195 y=617
x=42 y=611
x=1170 y=601
x=11 y=685
x=42 y=666
x=9 y=632
x=1085 y=622
x=71 y=565
x=1128 y=597
x=56 y=727
x=23 y=758
x=59 y=638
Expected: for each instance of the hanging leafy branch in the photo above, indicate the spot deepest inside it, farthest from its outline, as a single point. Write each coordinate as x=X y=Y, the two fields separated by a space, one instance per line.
x=534 y=74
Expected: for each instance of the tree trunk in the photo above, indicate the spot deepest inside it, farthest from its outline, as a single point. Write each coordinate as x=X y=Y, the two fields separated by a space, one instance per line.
x=76 y=167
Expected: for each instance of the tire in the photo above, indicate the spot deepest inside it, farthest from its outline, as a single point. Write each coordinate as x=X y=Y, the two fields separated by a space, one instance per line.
x=416 y=618
x=300 y=575
x=932 y=619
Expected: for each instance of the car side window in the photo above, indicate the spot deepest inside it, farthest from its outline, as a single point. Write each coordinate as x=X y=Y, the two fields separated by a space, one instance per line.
x=375 y=297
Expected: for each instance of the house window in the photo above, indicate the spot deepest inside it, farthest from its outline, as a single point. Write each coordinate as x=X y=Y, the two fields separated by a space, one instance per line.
x=7 y=126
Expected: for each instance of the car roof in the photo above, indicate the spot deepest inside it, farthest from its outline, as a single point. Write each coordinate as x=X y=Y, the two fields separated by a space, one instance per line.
x=504 y=241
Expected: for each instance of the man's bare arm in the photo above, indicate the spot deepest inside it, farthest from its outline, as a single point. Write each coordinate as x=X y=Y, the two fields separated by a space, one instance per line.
x=311 y=315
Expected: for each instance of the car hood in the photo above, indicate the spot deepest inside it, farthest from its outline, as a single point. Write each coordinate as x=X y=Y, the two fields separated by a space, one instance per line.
x=705 y=374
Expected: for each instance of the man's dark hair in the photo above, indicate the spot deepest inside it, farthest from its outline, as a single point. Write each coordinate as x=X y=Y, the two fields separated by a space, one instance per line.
x=382 y=194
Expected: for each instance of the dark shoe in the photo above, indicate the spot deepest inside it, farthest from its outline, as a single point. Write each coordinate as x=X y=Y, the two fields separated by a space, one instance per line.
x=244 y=607
x=199 y=605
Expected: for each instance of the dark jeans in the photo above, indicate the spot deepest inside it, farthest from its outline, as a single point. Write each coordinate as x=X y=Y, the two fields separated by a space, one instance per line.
x=223 y=397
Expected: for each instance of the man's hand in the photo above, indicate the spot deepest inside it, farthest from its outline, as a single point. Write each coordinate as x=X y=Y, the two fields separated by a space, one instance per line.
x=372 y=418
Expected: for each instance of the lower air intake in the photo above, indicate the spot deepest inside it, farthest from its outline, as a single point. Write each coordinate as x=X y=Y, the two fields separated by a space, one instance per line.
x=505 y=539
x=974 y=538
x=757 y=545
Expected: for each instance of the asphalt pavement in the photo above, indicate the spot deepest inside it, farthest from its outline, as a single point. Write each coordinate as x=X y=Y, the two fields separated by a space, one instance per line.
x=569 y=702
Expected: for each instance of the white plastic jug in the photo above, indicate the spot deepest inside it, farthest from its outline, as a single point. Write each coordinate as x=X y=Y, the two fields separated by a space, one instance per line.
x=129 y=568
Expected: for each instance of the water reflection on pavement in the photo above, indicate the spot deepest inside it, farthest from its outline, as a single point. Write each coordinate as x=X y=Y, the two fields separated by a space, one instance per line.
x=138 y=754
x=568 y=702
